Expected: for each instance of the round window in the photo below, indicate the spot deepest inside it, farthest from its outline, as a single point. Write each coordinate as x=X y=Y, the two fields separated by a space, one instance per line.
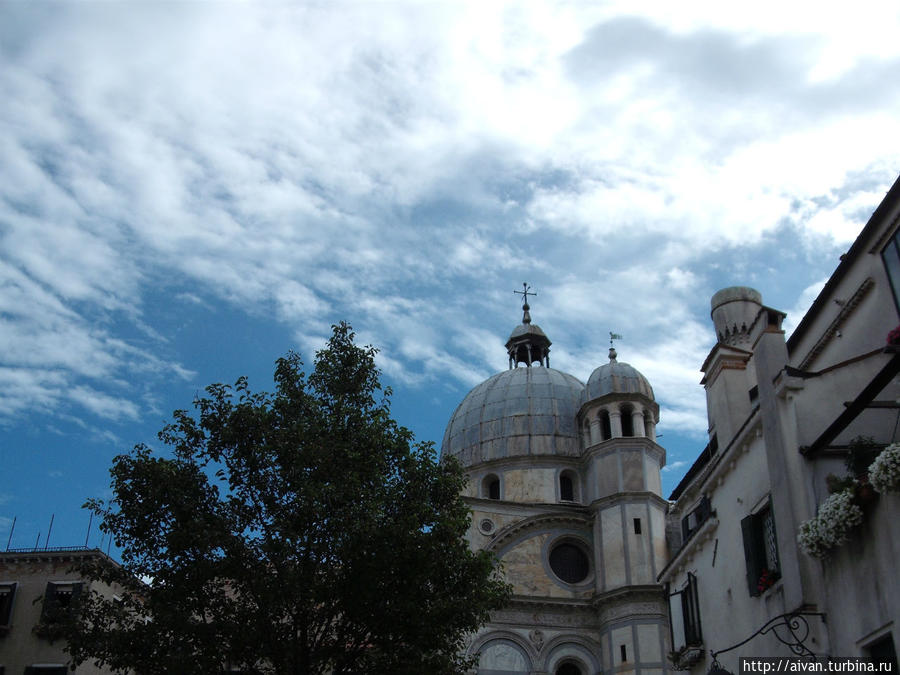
x=569 y=562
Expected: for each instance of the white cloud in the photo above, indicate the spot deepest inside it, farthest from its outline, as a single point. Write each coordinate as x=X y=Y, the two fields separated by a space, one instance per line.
x=406 y=168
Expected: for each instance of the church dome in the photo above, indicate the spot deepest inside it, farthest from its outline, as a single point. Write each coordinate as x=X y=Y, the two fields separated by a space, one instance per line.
x=521 y=411
x=616 y=378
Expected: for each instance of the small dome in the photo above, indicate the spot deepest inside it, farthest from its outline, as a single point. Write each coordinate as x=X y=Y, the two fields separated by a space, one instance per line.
x=616 y=378
x=527 y=329
x=522 y=411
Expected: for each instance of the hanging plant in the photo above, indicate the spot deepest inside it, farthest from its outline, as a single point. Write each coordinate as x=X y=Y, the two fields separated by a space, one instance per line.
x=831 y=527
x=884 y=474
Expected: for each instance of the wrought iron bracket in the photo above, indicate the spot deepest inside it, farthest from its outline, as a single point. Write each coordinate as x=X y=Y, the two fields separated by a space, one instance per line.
x=790 y=629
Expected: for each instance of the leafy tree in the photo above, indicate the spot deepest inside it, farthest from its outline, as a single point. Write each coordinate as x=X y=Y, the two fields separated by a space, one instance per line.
x=297 y=532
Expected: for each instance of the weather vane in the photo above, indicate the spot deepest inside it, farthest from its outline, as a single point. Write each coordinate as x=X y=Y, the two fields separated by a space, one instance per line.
x=613 y=336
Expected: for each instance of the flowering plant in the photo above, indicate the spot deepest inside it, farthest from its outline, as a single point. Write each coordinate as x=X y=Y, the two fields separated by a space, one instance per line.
x=893 y=337
x=884 y=474
x=766 y=580
x=831 y=526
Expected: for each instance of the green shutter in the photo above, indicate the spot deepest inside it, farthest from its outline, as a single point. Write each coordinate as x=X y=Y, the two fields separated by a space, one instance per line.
x=752 y=553
x=48 y=610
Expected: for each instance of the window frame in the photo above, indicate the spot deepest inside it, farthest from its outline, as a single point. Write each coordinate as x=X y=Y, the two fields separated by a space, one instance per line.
x=688 y=602
x=488 y=484
x=52 y=611
x=757 y=554
x=572 y=479
x=890 y=259
x=695 y=518
x=7 y=605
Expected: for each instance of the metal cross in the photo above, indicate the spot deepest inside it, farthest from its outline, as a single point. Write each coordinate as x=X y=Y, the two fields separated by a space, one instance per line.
x=525 y=292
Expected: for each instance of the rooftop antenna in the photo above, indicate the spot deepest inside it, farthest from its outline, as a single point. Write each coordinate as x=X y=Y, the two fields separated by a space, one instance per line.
x=11 y=530
x=37 y=542
x=49 y=529
x=525 y=292
x=88 y=535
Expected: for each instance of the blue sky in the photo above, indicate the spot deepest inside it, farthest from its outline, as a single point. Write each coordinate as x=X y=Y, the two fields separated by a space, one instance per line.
x=188 y=191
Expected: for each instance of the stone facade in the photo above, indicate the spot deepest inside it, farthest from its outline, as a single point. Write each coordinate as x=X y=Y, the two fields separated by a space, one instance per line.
x=564 y=487
x=28 y=580
x=783 y=415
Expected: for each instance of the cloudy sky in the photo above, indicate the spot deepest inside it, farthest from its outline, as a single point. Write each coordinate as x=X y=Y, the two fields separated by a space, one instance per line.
x=187 y=191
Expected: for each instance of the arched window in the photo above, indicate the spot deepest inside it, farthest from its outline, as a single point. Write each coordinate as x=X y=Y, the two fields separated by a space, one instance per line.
x=627 y=422
x=566 y=487
x=490 y=487
x=568 y=668
x=605 y=426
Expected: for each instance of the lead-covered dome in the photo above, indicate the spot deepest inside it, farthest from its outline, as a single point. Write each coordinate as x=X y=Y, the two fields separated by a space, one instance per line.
x=522 y=411
x=616 y=378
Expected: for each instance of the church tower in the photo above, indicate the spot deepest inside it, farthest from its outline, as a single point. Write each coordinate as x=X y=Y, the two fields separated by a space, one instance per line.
x=564 y=487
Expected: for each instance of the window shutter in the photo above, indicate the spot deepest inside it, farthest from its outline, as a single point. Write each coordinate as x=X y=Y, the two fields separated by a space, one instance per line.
x=676 y=620
x=48 y=610
x=691 y=607
x=705 y=509
x=76 y=592
x=752 y=553
x=7 y=599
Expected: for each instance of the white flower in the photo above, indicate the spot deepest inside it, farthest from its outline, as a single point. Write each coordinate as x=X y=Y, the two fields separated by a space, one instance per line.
x=884 y=474
x=831 y=526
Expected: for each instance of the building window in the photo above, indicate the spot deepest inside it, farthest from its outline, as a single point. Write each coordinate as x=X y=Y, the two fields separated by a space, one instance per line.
x=637 y=525
x=684 y=616
x=891 y=257
x=569 y=562
x=568 y=668
x=760 y=550
x=883 y=651
x=695 y=518
x=60 y=599
x=566 y=487
x=490 y=487
x=7 y=598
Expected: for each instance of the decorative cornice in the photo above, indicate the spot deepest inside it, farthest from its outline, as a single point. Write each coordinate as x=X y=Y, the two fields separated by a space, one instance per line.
x=613 y=445
x=515 y=530
x=608 y=446
x=686 y=553
x=723 y=357
x=846 y=310
x=628 y=497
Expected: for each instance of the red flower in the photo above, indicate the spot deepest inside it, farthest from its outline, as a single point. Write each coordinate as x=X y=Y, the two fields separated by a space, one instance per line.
x=893 y=338
x=766 y=580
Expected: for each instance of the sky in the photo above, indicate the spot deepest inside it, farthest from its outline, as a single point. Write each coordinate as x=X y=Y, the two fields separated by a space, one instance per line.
x=190 y=190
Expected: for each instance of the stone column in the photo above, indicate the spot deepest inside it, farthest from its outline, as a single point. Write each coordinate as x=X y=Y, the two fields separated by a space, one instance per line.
x=615 y=423
x=650 y=426
x=637 y=421
x=596 y=435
